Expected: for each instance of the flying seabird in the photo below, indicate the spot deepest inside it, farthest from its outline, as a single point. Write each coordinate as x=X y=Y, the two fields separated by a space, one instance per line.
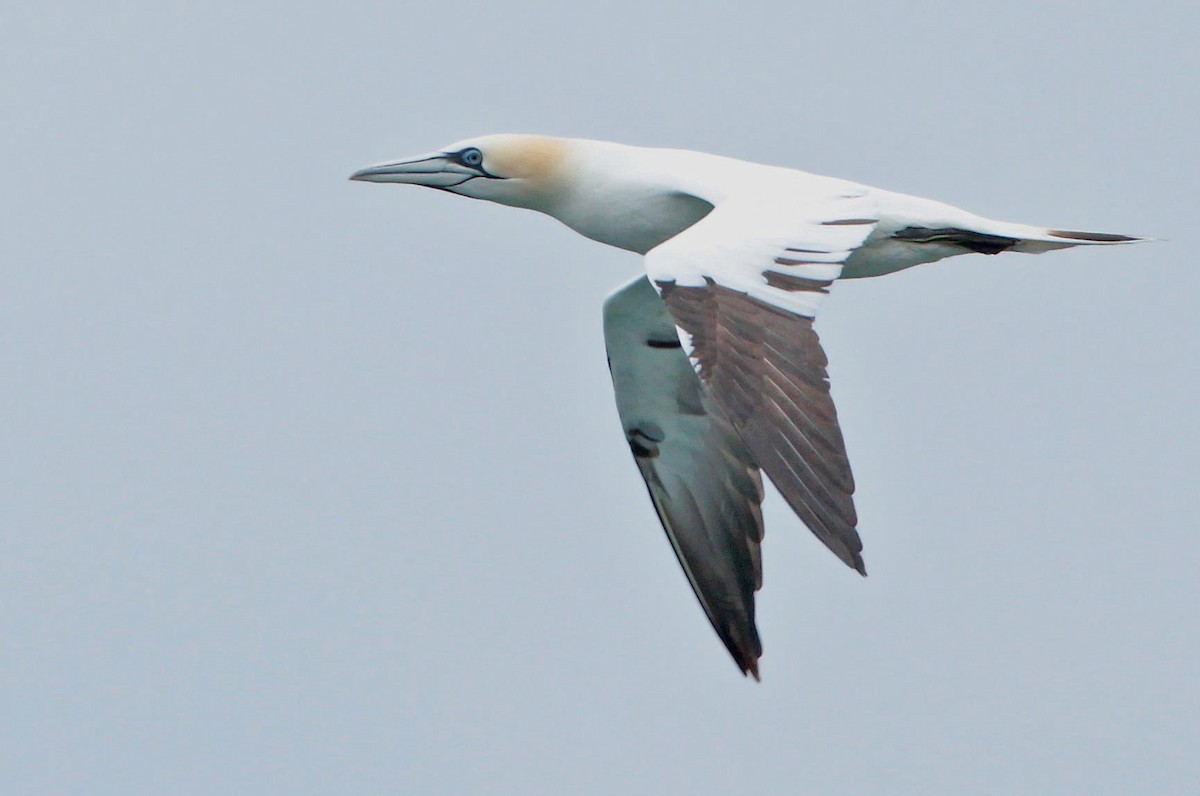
x=717 y=369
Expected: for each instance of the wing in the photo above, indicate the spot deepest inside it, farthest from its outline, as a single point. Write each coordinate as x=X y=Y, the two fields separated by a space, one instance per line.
x=700 y=476
x=743 y=286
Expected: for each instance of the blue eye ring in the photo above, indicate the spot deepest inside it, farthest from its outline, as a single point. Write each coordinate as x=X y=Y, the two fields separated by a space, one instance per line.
x=471 y=157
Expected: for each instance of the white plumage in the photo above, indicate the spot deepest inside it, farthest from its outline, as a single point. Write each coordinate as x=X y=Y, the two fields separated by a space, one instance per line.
x=717 y=370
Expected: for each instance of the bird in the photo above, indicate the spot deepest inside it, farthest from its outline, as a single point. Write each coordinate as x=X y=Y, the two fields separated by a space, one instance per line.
x=718 y=373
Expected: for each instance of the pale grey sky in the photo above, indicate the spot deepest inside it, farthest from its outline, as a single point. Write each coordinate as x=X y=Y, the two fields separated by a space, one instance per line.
x=314 y=487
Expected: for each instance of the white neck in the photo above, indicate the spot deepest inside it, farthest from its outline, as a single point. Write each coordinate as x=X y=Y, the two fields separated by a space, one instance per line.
x=629 y=197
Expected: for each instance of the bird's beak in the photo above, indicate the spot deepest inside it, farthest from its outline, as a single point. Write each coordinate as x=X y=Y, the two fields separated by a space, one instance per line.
x=437 y=170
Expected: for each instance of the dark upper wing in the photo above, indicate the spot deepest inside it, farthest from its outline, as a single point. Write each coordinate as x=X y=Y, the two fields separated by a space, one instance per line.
x=700 y=476
x=743 y=286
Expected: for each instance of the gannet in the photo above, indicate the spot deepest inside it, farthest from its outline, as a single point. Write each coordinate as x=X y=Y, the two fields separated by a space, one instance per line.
x=718 y=372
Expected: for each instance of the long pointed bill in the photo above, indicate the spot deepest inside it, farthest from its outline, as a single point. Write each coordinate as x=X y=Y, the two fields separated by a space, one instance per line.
x=437 y=171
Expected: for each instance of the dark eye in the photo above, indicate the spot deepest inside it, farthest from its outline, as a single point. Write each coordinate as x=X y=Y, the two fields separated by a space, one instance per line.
x=471 y=157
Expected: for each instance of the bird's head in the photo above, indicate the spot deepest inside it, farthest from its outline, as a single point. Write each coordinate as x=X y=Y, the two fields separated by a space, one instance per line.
x=518 y=170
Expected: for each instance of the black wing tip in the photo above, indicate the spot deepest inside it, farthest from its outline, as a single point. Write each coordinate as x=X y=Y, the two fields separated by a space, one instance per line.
x=849 y=556
x=744 y=647
x=969 y=239
x=752 y=670
x=747 y=662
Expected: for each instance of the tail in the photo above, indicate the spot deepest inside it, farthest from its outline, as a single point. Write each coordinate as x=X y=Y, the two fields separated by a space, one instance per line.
x=1035 y=240
x=993 y=237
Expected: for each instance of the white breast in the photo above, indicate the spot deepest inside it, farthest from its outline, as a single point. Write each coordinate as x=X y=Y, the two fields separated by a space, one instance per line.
x=635 y=220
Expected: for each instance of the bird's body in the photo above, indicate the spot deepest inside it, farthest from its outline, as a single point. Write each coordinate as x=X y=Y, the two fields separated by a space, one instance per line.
x=717 y=370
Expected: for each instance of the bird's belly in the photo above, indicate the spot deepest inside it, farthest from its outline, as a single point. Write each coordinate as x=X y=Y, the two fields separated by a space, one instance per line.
x=888 y=255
